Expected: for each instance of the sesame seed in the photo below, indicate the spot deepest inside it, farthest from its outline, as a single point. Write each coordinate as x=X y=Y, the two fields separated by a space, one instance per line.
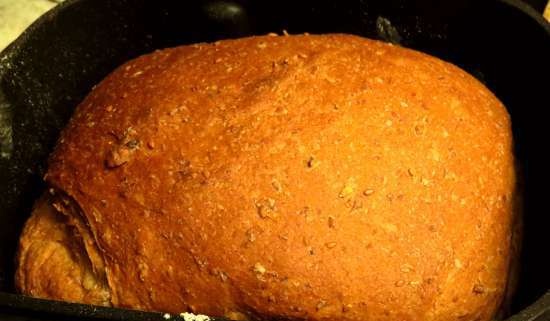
x=330 y=245
x=276 y=185
x=250 y=236
x=223 y=276
x=435 y=155
x=311 y=162
x=331 y=222
x=266 y=208
x=406 y=268
x=283 y=237
x=458 y=264
x=478 y=289
x=259 y=268
x=347 y=190
x=368 y=192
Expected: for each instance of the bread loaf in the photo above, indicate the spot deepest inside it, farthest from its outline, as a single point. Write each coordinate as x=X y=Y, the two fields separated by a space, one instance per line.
x=311 y=177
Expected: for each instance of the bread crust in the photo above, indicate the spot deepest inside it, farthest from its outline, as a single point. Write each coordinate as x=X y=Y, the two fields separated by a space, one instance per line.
x=53 y=261
x=324 y=177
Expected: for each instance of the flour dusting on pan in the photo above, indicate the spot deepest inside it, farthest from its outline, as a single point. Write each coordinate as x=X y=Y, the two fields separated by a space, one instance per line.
x=194 y=317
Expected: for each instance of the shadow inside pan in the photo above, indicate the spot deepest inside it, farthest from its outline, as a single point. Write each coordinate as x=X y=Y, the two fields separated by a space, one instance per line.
x=50 y=68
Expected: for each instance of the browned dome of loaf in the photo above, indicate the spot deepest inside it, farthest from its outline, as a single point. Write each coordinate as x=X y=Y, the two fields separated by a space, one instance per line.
x=325 y=177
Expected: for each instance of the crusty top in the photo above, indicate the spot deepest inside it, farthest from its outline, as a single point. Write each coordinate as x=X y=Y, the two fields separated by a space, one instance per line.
x=320 y=177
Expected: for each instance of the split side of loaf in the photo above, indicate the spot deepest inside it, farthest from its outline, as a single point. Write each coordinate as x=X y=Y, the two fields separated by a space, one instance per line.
x=325 y=177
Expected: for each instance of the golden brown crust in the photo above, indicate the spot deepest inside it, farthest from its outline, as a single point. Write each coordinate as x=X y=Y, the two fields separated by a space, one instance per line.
x=319 y=177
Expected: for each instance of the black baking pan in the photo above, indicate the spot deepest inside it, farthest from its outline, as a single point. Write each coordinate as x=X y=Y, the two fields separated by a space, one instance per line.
x=47 y=71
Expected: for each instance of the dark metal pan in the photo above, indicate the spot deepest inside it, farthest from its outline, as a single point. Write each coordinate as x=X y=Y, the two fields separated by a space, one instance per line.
x=49 y=69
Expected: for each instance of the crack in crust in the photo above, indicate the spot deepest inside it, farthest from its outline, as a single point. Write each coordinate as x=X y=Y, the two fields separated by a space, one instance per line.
x=58 y=257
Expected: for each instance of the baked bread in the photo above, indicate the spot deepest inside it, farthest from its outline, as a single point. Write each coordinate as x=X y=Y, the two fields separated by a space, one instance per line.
x=325 y=177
